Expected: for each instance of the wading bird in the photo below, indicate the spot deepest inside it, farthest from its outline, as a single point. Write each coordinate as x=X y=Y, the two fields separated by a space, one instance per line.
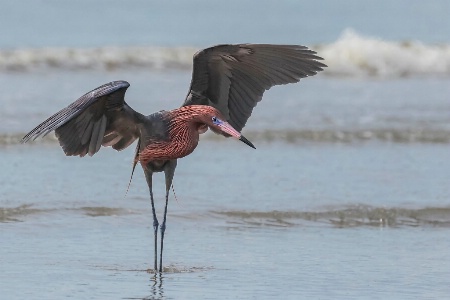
x=227 y=83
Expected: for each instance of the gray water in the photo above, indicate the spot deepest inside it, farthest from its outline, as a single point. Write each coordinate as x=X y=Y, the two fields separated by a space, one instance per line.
x=328 y=221
x=201 y=23
x=347 y=195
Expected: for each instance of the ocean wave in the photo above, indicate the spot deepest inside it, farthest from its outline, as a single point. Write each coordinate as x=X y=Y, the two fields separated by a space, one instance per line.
x=101 y=58
x=351 y=55
x=356 y=55
x=343 y=217
x=13 y=214
x=390 y=135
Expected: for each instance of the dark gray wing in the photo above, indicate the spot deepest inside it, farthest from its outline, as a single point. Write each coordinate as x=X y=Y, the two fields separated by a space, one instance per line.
x=233 y=78
x=100 y=117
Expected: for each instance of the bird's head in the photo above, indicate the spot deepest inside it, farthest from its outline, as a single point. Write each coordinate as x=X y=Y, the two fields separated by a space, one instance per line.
x=212 y=118
x=218 y=125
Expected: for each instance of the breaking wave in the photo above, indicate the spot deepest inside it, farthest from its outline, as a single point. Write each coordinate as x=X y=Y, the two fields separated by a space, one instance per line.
x=355 y=55
x=351 y=55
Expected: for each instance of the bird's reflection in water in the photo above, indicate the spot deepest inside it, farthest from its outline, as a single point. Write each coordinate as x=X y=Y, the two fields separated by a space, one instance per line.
x=156 y=287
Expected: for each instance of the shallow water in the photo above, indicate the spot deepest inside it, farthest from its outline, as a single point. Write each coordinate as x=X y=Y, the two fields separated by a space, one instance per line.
x=321 y=109
x=336 y=221
x=108 y=260
x=345 y=197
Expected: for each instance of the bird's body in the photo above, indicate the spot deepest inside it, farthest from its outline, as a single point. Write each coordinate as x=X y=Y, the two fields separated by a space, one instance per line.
x=227 y=83
x=174 y=134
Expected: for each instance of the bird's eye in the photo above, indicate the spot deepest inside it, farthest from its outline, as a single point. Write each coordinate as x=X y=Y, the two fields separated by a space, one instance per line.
x=215 y=120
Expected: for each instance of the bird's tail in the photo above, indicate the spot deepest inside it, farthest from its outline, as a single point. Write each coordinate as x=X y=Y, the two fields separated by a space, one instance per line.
x=135 y=161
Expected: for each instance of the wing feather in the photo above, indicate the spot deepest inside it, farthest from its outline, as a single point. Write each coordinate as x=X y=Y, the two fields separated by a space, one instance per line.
x=94 y=137
x=111 y=139
x=233 y=78
x=87 y=133
x=83 y=126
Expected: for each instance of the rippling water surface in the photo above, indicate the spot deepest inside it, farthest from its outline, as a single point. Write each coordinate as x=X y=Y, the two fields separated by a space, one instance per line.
x=345 y=221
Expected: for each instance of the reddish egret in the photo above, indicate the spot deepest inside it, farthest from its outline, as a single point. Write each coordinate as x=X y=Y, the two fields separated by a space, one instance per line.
x=227 y=82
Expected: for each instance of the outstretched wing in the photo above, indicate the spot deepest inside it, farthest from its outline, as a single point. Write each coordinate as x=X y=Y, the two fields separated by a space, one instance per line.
x=233 y=78
x=100 y=117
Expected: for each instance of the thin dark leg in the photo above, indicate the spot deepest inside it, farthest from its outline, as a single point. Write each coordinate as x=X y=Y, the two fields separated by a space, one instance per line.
x=155 y=229
x=163 y=229
x=148 y=176
x=169 y=171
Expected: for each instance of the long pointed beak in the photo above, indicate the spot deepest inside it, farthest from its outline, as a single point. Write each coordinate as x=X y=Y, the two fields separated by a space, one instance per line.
x=243 y=139
x=227 y=128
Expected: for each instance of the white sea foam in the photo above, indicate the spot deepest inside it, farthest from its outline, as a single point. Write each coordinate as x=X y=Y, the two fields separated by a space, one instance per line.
x=355 y=55
x=106 y=58
x=352 y=55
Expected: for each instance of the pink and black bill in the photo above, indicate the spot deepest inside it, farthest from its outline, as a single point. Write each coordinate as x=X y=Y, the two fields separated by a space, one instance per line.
x=228 y=129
